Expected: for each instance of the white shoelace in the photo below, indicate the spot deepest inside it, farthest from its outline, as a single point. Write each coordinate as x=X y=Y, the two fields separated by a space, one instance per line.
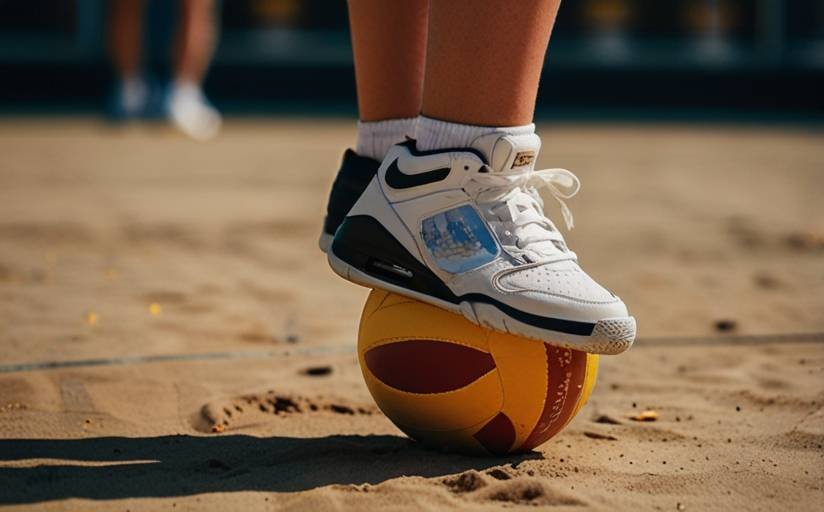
x=518 y=195
x=554 y=178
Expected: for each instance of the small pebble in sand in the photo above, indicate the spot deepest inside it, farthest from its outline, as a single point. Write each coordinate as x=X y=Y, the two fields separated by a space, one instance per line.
x=218 y=428
x=680 y=506
x=766 y=281
x=726 y=325
x=155 y=309
x=467 y=481
x=806 y=241
x=609 y=420
x=598 y=435
x=91 y=318
x=499 y=474
x=317 y=371
x=647 y=415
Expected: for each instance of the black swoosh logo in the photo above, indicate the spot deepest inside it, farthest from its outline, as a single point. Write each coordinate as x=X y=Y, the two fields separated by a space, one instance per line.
x=396 y=179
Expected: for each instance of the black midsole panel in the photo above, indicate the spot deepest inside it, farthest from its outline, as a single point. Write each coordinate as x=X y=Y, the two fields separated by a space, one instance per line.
x=361 y=241
x=364 y=243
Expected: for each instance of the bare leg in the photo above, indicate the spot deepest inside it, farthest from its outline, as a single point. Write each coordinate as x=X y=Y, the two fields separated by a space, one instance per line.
x=195 y=40
x=125 y=38
x=484 y=60
x=389 y=47
x=125 y=29
x=389 y=44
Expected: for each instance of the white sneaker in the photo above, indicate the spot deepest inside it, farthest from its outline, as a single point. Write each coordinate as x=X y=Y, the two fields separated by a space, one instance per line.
x=191 y=112
x=464 y=229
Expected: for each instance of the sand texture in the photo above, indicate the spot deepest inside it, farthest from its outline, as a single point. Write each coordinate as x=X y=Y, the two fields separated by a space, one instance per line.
x=172 y=339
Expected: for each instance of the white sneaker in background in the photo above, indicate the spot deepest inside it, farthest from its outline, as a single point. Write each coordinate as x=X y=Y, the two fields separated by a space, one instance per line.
x=191 y=112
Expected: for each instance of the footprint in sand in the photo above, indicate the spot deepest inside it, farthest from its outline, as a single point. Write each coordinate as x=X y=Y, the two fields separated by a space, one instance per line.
x=499 y=485
x=254 y=409
x=528 y=491
x=466 y=482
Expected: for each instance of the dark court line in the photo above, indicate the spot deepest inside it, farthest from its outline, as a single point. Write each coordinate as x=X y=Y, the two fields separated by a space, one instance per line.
x=733 y=339
x=720 y=340
x=164 y=358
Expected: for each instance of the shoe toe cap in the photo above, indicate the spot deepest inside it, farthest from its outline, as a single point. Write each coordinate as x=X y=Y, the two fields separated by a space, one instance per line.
x=563 y=290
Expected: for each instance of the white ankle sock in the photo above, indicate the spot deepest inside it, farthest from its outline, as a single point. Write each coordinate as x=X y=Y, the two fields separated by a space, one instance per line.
x=436 y=134
x=186 y=90
x=133 y=93
x=376 y=137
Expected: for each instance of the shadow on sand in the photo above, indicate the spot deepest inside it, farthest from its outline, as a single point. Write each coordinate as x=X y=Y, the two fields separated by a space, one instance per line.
x=124 y=467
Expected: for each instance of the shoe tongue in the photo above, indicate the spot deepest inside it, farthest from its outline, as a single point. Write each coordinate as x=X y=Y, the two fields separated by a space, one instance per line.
x=506 y=152
x=515 y=153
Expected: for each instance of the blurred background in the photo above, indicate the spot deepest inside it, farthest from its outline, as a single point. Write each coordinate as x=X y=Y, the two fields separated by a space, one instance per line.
x=151 y=283
x=694 y=125
x=632 y=57
x=147 y=279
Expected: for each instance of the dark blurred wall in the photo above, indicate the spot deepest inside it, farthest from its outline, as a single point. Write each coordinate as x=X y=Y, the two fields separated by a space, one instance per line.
x=734 y=55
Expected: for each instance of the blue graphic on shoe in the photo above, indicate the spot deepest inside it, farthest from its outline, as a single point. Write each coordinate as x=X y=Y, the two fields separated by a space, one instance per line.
x=458 y=240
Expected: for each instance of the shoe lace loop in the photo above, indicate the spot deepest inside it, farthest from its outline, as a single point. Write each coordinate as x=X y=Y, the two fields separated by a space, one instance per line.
x=562 y=184
x=515 y=198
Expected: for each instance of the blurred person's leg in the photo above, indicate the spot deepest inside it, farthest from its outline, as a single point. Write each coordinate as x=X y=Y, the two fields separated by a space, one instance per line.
x=389 y=47
x=125 y=40
x=188 y=106
x=196 y=37
x=455 y=218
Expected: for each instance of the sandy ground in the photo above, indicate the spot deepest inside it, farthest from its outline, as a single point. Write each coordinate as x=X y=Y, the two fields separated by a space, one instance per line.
x=150 y=286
